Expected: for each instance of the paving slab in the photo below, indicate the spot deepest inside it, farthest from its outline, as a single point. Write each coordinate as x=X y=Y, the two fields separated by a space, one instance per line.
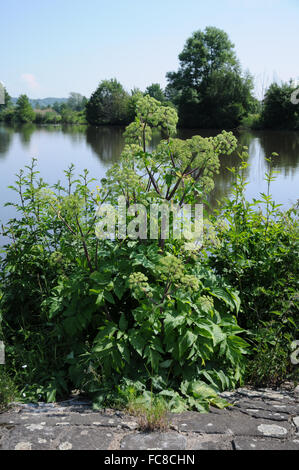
x=154 y=441
x=262 y=419
x=236 y=424
x=262 y=444
x=284 y=408
x=51 y=438
x=209 y=442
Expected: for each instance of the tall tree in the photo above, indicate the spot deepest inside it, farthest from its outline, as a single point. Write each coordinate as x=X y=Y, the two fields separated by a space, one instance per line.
x=109 y=104
x=279 y=110
x=24 y=111
x=76 y=101
x=155 y=91
x=209 y=88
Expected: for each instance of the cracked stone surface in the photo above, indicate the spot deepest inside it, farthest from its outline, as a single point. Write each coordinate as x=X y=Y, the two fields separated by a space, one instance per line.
x=262 y=419
x=154 y=441
x=263 y=444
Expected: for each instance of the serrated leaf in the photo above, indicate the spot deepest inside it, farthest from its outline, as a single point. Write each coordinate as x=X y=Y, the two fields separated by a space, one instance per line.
x=230 y=298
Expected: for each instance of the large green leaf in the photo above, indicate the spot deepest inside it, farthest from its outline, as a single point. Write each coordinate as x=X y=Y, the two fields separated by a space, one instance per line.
x=230 y=298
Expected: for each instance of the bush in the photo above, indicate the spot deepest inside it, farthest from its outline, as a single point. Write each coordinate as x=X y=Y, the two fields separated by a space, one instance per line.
x=108 y=316
x=72 y=117
x=252 y=121
x=257 y=254
x=109 y=104
x=279 y=112
x=47 y=118
x=7 y=115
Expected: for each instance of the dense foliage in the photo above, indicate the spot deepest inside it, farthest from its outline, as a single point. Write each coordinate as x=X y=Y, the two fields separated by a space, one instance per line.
x=109 y=104
x=257 y=253
x=209 y=89
x=164 y=318
x=24 y=112
x=279 y=112
x=155 y=91
x=70 y=112
x=5 y=108
x=111 y=316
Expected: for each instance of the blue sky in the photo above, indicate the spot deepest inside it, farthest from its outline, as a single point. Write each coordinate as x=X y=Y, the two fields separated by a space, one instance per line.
x=52 y=47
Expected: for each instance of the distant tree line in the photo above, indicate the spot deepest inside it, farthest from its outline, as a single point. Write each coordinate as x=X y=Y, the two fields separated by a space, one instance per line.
x=111 y=104
x=22 y=112
x=209 y=90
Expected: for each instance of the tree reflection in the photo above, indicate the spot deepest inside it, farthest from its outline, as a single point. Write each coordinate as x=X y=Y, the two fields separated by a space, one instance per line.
x=76 y=133
x=286 y=144
x=106 y=142
x=6 y=134
x=25 y=131
x=261 y=144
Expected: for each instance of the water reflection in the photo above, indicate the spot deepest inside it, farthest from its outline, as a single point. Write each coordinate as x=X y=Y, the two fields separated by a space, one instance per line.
x=97 y=148
x=224 y=179
x=106 y=142
x=260 y=144
x=6 y=135
x=25 y=132
x=286 y=144
x=76 y=134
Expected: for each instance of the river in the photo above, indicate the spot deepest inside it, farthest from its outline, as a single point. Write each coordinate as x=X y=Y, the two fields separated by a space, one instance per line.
x=56 y=147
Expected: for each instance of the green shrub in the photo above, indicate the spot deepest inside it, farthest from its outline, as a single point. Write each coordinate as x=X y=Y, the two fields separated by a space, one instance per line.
x=252 y=121
x=104 y=315
x=278 y=110
x=257 y=254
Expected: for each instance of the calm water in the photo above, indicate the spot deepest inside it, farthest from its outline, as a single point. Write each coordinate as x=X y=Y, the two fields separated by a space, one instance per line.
x=97 y=148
